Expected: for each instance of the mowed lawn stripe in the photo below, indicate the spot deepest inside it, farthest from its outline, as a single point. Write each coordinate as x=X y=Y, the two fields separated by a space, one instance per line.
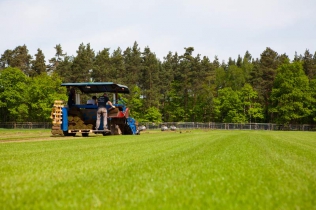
x=167 y=170
x=294 y=165
x=288 y=172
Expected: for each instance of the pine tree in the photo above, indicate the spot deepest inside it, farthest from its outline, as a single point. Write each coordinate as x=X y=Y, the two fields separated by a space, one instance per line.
x=102 y=66
x=166 y=78
x=231 y=62
x=6 y=59
x=206 y=92
x=132 y=60
x=236 y=77
x=149 y=79
x=239 y=61
x=38 y=65
x=263 y=76
x=184 y=78
x=64 y=68
x=216 y=63
x=309 y=65
x=118 y=67
x=82 y=64
x=55 y=61
x=247 y=66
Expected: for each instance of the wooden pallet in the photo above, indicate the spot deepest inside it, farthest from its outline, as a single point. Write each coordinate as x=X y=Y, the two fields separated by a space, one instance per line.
x=80 y=131
x=56 y=116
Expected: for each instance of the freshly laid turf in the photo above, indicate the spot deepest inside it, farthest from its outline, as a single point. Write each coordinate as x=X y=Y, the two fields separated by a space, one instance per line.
x=159 y=170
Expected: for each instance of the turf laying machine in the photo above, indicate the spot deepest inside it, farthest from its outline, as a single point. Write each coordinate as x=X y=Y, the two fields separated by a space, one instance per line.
x=79 y=117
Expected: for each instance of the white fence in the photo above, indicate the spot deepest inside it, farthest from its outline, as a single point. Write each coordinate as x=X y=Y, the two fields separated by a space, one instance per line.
x=232 y=126
x=182 y=125
x=26 y=125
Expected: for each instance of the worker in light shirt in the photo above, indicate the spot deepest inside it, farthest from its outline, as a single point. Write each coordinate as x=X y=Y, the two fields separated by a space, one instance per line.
x=92 y=101
x=102 y=111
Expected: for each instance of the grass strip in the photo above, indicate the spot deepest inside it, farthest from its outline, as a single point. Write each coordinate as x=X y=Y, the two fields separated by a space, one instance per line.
x=162 y=170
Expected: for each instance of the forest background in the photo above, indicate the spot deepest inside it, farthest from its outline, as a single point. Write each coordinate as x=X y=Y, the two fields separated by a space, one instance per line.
x=181 y=87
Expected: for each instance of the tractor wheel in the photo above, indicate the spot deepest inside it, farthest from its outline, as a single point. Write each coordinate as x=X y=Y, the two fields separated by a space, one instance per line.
x=127 y=130
x=106 y=133
x=68 y=134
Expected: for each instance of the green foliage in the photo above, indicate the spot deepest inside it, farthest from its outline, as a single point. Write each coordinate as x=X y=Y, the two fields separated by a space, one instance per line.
x=19 y=58
x=221 y=79
x=185 y=81
x=149 y=79
x=118 y=72
x=247 y=66
x=13 y=94
x=43 y=91
x=252 y=109
x=55 y=61
x=63 y=68
x=309 y=65
x=291 y=97
x=28 y=99
x=82 y=64
x=132 y=61
x=313 y=99
x=174 y=109
x=165 y=75
x=152 y=114
x=235 y=77
x=38 y=65
x=136 y=104
x=237 y=106
x=229 y=106
x=102 y=66
x=182 y=87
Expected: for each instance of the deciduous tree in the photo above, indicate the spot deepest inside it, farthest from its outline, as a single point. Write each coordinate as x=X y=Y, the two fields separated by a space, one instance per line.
x=229 y=107
x=13 y=95
x=291 y=98
x=19 y=58
x=42 y=92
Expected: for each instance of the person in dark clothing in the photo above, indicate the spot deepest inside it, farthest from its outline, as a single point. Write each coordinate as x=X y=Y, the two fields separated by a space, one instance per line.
x=102 y=111
x=71 y=97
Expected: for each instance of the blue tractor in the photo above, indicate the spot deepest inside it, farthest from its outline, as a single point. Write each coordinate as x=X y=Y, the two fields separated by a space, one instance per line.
x=78 y=117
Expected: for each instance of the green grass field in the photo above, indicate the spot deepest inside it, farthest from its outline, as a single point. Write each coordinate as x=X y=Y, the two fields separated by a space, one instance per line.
x=158 y=170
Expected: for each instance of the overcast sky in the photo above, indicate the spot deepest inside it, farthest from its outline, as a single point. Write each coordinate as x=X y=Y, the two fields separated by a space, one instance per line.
x=223 y=28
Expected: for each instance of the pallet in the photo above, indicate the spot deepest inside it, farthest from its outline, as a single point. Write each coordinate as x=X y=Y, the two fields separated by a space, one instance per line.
x=80 y=131
x=58 y=132
x=87 y=131
x=56 y=116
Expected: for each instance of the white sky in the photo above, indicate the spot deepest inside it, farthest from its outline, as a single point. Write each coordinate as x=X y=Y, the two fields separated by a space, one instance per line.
x=225 y=28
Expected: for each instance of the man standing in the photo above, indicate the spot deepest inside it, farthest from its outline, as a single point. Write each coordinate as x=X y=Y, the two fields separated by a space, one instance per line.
x=102 y=101
x=71 y=97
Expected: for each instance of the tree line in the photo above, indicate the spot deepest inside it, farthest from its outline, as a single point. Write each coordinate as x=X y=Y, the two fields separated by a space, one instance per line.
x=181 y=87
